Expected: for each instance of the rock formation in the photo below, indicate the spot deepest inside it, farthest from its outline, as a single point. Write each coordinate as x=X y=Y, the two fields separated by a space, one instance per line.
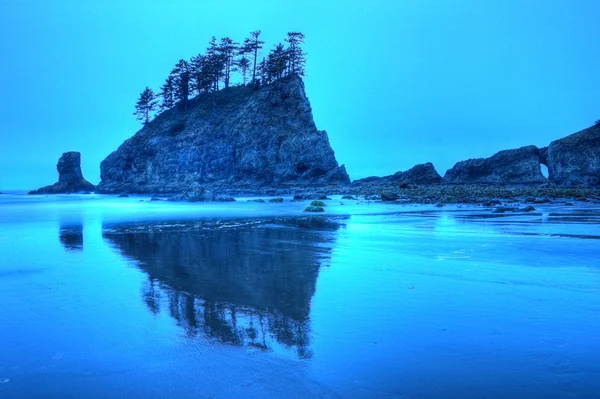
x=421 y=174
x=519 y=166
x=240 y=138
x=70 y=178
x=574 y=160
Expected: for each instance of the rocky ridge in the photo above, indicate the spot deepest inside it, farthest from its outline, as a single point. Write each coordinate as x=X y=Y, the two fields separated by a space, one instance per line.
x=421 y=174
x=519 y=166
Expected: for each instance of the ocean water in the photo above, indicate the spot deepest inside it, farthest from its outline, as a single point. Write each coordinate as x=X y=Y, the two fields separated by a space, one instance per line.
x=106 y=297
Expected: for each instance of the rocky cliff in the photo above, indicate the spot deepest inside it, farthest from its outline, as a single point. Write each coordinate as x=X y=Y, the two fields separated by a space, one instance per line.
x=70 y=177
x=519 y=166
x=575 y=159
x=237 y=138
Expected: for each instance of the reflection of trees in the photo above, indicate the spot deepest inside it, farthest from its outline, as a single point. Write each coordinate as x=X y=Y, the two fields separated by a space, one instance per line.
x=71 y=236
x=245 y=285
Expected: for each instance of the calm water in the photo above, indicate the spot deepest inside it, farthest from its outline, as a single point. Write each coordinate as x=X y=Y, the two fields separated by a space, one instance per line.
x=116 y=298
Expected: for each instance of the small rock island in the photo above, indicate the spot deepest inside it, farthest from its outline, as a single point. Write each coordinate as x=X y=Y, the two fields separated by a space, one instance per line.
x=70 y=177
x=240 y=138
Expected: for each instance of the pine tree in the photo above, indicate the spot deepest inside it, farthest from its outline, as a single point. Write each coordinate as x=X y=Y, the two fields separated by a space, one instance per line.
x=242 y=65
x=145 y=105
x=277 y=62
x=252 y=46
x=227 y=50
x=296 y=57
x=214 y=63
x=196 y=78
x=167 y=94
x=263 y=70
x=181 y=74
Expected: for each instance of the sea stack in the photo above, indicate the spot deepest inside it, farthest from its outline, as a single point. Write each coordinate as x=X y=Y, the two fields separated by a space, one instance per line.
x=70 y=177
x=240 y=138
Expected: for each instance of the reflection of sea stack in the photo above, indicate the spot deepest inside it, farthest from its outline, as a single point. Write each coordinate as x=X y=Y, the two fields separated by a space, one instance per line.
x=244 y=285
x=71 y=236
x=70 y=177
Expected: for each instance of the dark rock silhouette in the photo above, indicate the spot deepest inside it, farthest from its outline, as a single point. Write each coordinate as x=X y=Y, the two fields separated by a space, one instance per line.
x=70 y=177
x=421 y=174
x=519 y=166
x=575 y=160
x=71 y=236
x=238 y=138
x=244 y=282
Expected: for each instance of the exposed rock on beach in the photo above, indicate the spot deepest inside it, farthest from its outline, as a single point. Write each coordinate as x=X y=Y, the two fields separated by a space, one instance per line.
x=70 y=177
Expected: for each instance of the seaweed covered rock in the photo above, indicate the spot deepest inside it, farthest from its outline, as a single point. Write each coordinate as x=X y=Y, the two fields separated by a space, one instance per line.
x=70 y=177
x=241 y=137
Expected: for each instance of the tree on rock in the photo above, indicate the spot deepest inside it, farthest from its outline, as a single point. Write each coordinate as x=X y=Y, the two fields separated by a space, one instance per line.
x=181 y=75
x=243 y=65
x=227 y=49
x=215 y=63
x=167 y=94
x=145 y=105
x=296 y=57
x=252 y=46
x=277 y=62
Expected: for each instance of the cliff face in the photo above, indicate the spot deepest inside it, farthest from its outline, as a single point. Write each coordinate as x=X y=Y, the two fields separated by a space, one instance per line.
x=238 y=138
x=575 y=159
x=70 y=177
x=519 y=166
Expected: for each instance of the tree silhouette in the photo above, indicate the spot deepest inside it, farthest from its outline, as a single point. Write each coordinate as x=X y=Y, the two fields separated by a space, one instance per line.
x=167 y=94
x=181 y=74
x=243 y=64
x=214 y=63
x=252 y=46
x=296 y=57
x=227 y=50
x=204 y=72
x=145 y=105
x=277 y=62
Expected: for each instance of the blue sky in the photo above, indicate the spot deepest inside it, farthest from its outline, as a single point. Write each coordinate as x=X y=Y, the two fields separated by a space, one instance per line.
x=394 y=83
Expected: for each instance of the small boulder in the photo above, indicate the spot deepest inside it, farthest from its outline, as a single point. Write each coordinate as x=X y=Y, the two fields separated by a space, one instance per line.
x=389 y=196
x=528 y=208
x=313 y=208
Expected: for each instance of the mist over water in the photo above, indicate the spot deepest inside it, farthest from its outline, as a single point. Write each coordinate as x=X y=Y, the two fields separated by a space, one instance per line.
x=110 y=298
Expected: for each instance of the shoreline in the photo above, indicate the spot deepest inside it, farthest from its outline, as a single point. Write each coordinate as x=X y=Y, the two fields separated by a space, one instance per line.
x=431 y=194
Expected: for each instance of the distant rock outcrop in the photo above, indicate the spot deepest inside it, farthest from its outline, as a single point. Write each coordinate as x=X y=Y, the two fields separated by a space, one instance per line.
x=422 y=174
x=575 y=160
x=70 y=178
x=238 y=138
x=519 y=166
